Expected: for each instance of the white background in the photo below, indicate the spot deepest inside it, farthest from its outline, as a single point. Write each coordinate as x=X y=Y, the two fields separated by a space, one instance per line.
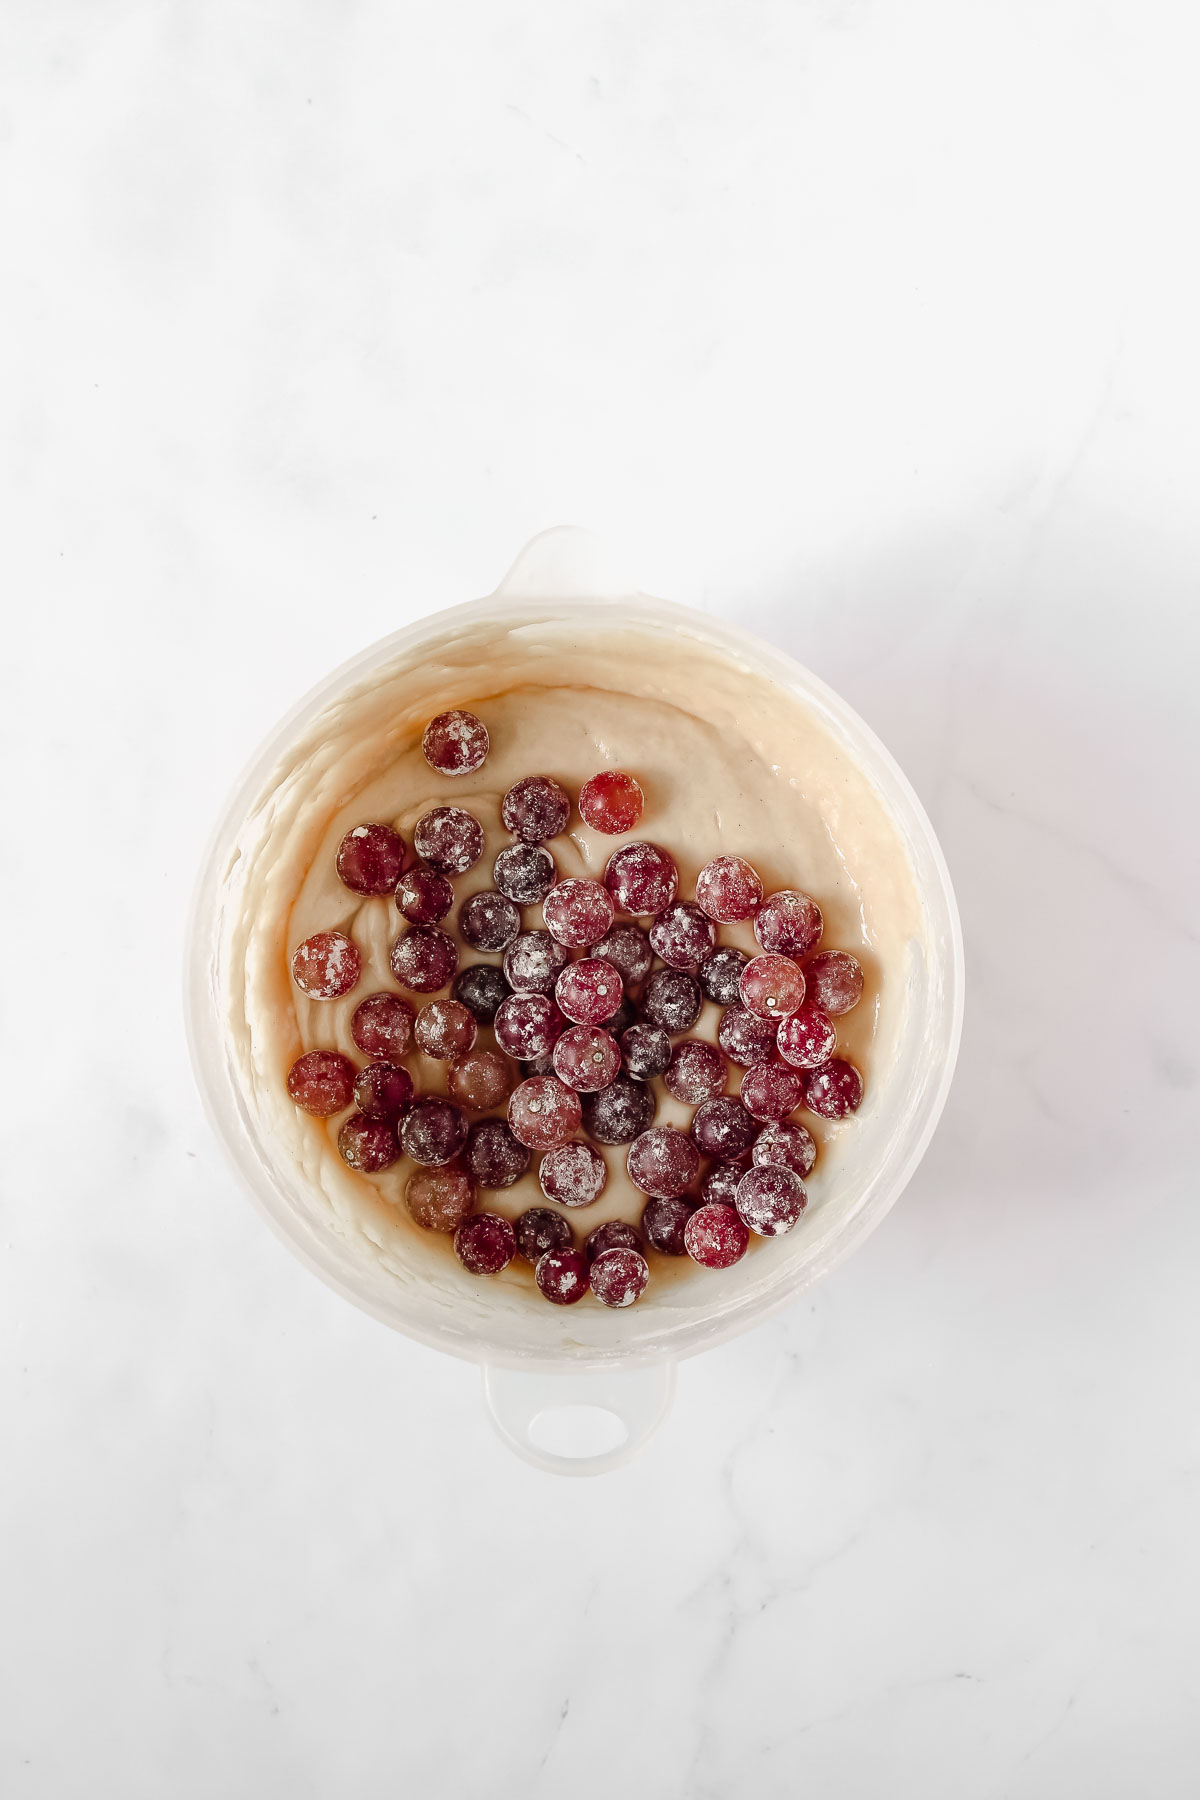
x=872 y=326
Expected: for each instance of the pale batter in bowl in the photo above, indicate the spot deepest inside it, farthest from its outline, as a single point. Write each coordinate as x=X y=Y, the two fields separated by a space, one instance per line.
x=730 y=761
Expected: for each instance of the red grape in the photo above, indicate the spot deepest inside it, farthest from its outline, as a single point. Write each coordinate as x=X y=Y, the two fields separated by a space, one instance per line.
x=382 y=1091
x=485 y=1244
x=619 y=1276
x=326 y=965
x=445 y=1029
x=788 y=1144
x=423 y=959
x=543 y=1112
x=368 y=1145
x=562 y=1276
x=729 y=888
x=587 y=1058
x=715 y=1236
x=423 y=897
x=835 y=981
x=528 y=1026
x=771 y=986
x=788 y=923
x=771 y=1090
x=662 y=1162
x=611 y=802
x=382 y=1026
x=578 y=912
x=683 y=936
x=370 y=858
x=440 y=1199
x=641 y=878
x=833 y=1090
x=808 y=1038
x=588 y=991
x=574 y=1174
x=770 y=1199
x=322 y=1083
x=627 y=948
x=696 y=1072
x=533 y=963
x=449 y=840
x=455 y=743
x=481 y=1080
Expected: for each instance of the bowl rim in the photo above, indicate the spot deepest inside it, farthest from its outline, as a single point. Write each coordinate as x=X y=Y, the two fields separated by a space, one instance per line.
x=203 y=1025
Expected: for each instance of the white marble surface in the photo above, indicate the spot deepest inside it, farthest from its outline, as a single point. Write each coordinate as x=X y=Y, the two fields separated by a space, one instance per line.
x=875 y=327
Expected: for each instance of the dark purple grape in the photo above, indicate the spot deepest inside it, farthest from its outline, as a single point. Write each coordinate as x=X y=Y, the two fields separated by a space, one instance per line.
x=672 y=999
x=482 y=989
x=493 y=1155
x=722 y=1128
x=536 y=808
x=618 y=1113
x=382 y=1091
x=745 y=1038
x=433 y=1132
x=663 y=1223
x=368 y=1145
x=487 y=921
x=539 y=1229
x=646 y=1050
x=627 y=948
x=683 y=936
x=525 y=873
x=720 y=975
x=614 y=1234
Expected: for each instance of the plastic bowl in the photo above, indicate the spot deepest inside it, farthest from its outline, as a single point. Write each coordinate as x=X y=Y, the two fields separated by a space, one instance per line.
x=538 y=1374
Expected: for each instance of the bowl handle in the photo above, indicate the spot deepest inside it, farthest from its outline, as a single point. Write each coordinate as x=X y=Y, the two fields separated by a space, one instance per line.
x=565 y=1423
x=566 y=563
